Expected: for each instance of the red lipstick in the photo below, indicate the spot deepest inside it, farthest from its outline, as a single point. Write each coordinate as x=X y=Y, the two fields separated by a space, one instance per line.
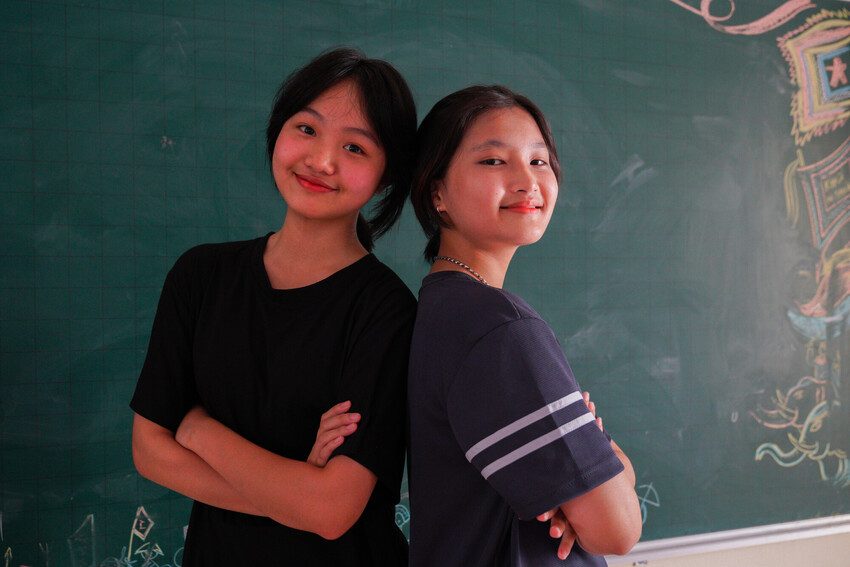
x=524 y=207
x=313 y=184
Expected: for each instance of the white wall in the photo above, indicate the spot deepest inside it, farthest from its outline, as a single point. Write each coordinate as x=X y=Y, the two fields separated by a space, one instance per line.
x=818 y=542
x=826 y=551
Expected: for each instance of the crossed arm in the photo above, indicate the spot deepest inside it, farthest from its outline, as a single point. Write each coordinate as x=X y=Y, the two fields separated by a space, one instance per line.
x=208 y=462
x=607 y=519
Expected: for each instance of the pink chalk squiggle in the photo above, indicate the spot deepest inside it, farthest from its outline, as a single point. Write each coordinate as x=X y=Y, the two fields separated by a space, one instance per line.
x=774 y=19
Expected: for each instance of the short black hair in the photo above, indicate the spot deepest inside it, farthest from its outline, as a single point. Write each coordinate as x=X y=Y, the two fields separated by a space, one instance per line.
x=441 y=133
x=389 y=108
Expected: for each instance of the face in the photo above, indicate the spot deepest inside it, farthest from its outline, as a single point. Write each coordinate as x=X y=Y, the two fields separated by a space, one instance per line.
x=327 y=160
x=499 y=189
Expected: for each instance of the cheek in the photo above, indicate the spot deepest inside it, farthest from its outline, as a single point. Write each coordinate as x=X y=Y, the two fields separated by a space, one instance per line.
x=364 y=177
x=284 y=150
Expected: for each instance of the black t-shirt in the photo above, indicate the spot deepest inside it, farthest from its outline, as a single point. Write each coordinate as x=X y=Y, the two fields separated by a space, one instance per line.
x=499 y=431
x=267 y=363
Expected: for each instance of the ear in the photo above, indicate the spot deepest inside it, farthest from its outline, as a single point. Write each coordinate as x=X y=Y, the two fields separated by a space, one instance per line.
x=437 y=196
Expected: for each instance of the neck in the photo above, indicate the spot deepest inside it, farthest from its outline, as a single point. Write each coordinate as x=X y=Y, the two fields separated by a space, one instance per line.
x=491 y=263
x=305 y=251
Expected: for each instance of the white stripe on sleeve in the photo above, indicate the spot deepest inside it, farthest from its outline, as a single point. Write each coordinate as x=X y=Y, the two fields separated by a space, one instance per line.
x=522 y=422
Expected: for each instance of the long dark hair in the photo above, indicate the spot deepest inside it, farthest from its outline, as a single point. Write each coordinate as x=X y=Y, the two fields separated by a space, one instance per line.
x=440 y=135
x=389 y=108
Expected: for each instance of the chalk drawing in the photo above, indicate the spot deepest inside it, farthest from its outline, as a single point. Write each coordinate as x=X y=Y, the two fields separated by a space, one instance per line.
x=649 y=497
x=402 y=515
x=81 y=544
x=44 y=548
x=142 y=526
x=838 y=72
x=149 y=552
x=815 y=54
x=778 y=17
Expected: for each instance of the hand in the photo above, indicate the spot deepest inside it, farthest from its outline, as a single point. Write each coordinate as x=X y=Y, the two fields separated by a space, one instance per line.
x=560 y=528
x=591 y=407
x=334 y=427
x=191 y=421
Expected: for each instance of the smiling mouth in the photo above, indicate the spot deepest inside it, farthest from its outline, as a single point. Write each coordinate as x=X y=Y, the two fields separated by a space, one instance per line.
x=522 y=208
x=314 y=185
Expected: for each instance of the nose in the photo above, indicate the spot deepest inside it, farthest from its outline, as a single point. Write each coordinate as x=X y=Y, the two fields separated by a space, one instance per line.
x=525 y=180
x=320 y=158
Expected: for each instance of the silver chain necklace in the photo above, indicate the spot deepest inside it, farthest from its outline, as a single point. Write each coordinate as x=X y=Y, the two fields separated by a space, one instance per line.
x=466 y=267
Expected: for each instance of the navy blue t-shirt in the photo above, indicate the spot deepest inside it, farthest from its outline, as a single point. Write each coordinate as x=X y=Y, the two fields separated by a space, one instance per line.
x=499 y=431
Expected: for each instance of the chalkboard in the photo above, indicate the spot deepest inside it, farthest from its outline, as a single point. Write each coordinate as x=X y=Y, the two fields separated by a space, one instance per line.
x=695 y=270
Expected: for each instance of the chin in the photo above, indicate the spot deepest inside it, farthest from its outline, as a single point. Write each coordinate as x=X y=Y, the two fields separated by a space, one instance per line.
x=532 y=238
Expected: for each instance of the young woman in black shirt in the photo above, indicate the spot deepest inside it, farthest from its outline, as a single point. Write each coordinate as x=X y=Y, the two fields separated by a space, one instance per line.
x=254 y=340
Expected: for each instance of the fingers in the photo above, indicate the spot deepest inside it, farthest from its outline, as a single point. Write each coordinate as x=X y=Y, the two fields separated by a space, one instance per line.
x=558 y=525
x=337 y=417
x=325 y=452
x=591 y=407
x=560 y=528
x=336 y=422
x=566 y=545
x=322 y=450
x=328 y=436
x=334 y=426
x=341 y=407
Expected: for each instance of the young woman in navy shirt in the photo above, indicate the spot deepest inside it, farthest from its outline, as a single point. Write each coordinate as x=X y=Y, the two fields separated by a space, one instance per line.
x=505 y=450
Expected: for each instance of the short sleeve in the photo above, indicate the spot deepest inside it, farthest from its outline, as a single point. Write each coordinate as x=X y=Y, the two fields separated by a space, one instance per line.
x=518 y=414
x=374 y=378
x=165 y=390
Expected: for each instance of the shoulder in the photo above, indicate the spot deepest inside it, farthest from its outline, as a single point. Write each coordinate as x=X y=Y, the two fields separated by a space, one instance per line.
x=193 y=271
x=483 y=307
x=382 y=286
x=201 y=259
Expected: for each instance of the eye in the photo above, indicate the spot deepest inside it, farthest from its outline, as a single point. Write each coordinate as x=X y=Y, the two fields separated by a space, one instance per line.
x=354 y=148
x=538 y=162
x=307 y=129
x=491 y=161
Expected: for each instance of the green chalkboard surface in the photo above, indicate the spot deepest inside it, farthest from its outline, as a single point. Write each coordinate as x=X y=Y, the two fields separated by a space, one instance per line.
x=696 y=271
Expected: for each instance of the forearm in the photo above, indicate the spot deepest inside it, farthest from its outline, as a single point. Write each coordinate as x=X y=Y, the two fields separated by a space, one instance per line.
x=612 y=524
x=607 y=520
x=159 y=458
x=293 y=493
x=627 y=464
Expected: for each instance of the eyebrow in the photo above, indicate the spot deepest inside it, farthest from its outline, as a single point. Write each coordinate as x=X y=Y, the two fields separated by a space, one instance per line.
x=362 y=131
x=498 y=144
